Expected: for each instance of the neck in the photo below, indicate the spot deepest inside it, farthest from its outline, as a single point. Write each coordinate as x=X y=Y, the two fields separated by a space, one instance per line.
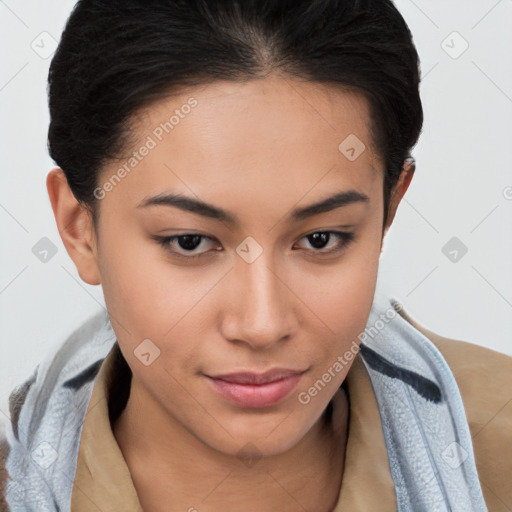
x=170 y=465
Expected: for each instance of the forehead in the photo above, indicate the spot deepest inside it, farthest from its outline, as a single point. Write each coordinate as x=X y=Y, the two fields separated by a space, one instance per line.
x=276 y=136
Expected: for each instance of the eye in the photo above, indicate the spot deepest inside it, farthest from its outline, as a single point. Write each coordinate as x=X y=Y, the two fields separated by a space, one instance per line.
x=183 y=246
x=320 y=239
x=187 y=242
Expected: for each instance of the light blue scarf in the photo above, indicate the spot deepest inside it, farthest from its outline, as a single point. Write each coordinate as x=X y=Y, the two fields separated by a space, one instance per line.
x=425 y=428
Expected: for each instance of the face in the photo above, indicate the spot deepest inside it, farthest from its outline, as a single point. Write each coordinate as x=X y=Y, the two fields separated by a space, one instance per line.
x=254 y=281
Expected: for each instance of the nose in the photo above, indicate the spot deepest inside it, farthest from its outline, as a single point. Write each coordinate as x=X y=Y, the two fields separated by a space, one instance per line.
x=261 y=312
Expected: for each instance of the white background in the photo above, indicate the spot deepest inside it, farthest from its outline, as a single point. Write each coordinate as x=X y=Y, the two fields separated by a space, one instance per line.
x=462 y=187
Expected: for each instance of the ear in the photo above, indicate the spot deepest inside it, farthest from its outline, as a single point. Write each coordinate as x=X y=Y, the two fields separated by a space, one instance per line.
x=75 y=226
x=400 y=189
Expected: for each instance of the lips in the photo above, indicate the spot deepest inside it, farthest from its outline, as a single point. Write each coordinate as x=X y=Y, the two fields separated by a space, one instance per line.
x=258 y=378
x=252 y=390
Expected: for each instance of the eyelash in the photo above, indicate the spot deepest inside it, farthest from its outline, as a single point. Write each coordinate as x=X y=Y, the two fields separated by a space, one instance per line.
x=346 y=239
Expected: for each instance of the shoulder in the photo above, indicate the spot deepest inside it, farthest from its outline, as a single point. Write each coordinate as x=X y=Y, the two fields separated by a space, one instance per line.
x=484 y=379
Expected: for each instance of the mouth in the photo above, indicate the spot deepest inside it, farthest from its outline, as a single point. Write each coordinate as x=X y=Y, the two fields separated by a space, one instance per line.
x=256 y=390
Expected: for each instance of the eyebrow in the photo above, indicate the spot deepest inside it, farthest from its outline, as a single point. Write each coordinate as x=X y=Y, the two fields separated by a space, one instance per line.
x=210 y=211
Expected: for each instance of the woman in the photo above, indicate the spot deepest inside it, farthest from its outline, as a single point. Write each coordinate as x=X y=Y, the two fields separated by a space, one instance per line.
x=227 y=172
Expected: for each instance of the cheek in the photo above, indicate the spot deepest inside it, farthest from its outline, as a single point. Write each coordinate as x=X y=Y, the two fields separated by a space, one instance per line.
x=140 y=292
x=357 y=293
x=150 y=298
x=343 y=308
x=341 y=296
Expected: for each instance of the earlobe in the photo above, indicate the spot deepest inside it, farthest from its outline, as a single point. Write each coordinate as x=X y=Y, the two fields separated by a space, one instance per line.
x=75 y=227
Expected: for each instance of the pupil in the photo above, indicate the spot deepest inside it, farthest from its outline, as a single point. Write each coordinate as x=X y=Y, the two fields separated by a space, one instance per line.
x=318 y=240
x=189 y=242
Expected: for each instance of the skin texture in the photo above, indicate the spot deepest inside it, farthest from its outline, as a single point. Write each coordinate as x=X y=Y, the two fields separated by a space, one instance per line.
x=256 y=149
